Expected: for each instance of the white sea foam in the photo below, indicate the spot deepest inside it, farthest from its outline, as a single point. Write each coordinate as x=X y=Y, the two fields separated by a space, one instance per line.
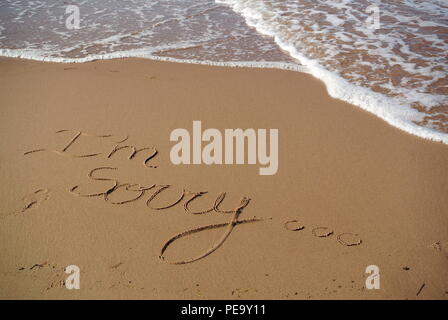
x=40 y=55
x=276 y=19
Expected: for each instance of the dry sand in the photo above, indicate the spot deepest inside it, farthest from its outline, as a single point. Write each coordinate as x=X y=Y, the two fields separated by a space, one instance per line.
x=339 y=167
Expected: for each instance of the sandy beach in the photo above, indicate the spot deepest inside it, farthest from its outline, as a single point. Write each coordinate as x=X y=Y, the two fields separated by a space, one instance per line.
x=351 y=191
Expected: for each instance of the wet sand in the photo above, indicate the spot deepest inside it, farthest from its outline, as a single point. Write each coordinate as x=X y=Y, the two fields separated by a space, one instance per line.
x=361 y=192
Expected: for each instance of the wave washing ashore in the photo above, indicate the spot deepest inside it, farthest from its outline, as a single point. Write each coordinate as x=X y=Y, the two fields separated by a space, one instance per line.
x=395 y=66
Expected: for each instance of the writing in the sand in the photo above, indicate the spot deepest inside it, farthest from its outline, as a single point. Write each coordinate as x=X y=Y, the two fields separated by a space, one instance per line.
x=117 y=192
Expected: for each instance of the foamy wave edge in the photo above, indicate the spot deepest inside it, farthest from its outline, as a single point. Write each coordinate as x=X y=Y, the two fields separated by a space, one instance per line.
x=337 y=87
x=394 y=113
x=38 y=55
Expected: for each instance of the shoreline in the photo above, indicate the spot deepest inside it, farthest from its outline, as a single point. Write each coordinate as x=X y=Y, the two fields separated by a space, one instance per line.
x=335 y=86
x=339 y=168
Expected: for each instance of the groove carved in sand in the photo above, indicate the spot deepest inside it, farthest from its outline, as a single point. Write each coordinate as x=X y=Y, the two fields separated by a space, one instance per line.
x=77 y=134
x=139 y=191
x=195 y=196
x=322 y=232
x=230 y=227
x=293 y=225
x=349 y=239
x=116 y=185
x=90 y=175
x=346 y=239
x=30 y=201
x=134 y=152
x=160 y=190
x=137 y=188
x=33 y=200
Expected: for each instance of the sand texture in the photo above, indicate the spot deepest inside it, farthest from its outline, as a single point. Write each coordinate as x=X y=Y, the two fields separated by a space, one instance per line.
x=86 y=180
